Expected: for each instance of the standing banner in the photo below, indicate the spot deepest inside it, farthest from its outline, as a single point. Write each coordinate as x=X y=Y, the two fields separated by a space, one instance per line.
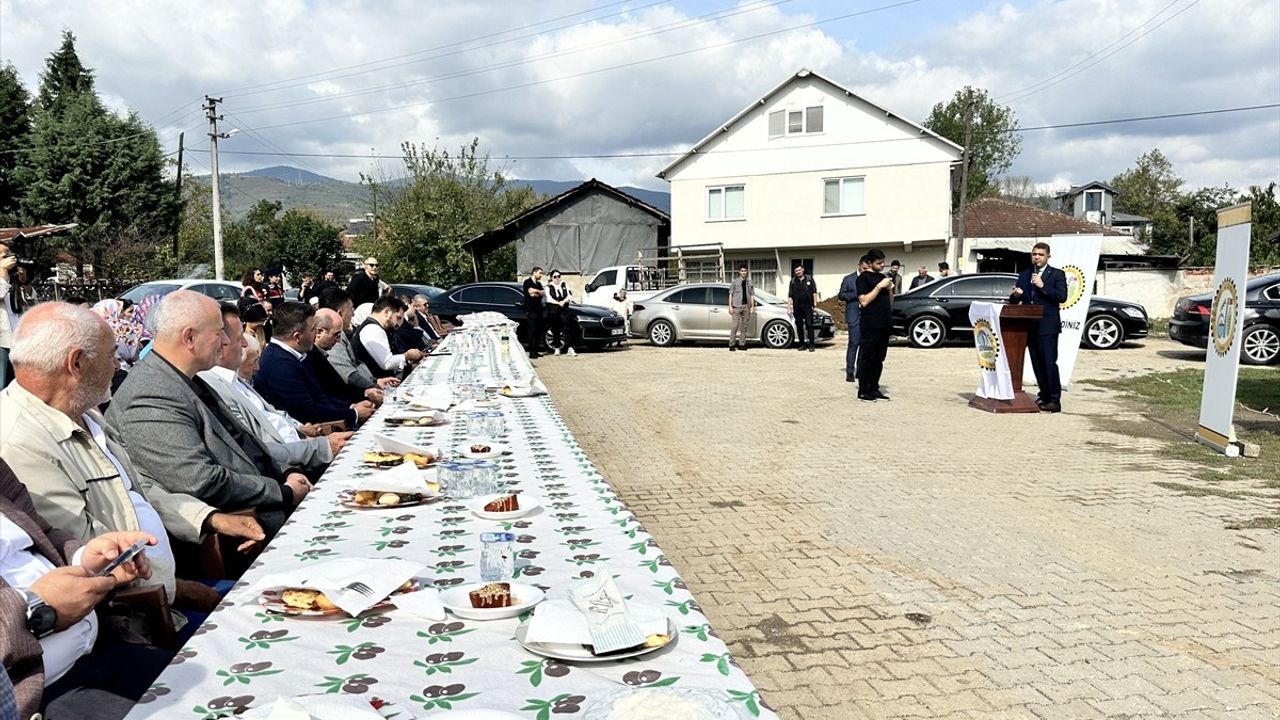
x=994 y=379
x=1222 y=357
x=1077 y=256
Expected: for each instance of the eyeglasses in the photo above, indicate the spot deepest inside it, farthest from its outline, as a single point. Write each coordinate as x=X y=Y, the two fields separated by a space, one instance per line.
x=371 y=264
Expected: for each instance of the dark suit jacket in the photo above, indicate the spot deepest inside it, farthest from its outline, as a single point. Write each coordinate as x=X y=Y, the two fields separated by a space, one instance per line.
x=174 y=439
x=849 y=295
x=331 y=380
x=363 y=288
x=409 y=337
x=1053 y=294
x=20 y=650
x=291 y=386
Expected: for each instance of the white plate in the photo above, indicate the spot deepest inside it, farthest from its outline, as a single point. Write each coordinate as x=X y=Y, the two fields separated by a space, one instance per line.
x=673 y=699
x=495 y=450
x=528 y=503
x=574 y=652
x=271 y=602
x=457 y=600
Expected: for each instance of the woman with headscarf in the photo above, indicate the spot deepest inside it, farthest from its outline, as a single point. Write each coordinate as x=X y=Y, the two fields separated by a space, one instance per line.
x=255 y=323
x=130 y=335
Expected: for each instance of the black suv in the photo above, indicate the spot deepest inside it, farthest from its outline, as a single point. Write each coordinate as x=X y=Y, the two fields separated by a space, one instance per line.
x=1261 y=341
x=931 y=313
x=600 y=326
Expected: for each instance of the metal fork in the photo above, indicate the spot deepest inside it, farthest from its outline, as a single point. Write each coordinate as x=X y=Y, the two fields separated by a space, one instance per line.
x=360 y=588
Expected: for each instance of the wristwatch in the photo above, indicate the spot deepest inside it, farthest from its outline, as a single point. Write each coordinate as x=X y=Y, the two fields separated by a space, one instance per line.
x=41 y=617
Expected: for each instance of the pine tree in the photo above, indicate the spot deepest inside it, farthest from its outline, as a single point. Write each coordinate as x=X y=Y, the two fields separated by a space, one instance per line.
x=15 y=129
x=64 y=77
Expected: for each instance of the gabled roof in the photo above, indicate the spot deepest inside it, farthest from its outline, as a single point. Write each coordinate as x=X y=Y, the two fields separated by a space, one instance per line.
x=1077 y=189
x=996 y=218
x=504 y=233
x=802 y=74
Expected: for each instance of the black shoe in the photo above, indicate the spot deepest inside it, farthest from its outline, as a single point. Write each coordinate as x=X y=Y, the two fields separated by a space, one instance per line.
x=868 y=398
x=743 y=348
x=733 y=348
x=800 y=348
x=1051 y=407
x=850 y=377
x=1040 y=402
x=811 y=348
x=534 y=356
x=879 y=395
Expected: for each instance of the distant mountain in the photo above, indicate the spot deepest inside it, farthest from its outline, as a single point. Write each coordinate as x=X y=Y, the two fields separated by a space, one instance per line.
x=339 y=200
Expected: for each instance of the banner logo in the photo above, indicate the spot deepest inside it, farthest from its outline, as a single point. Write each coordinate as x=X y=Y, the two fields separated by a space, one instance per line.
x=988 y=344
x=1075 y=286
x=1223 y=317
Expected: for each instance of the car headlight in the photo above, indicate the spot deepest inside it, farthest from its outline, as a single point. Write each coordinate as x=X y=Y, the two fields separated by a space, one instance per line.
x=1133 y=312
x=588 y=319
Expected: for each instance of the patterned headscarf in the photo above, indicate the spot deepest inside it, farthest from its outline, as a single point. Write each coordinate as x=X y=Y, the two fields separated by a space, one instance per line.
x=127 y=328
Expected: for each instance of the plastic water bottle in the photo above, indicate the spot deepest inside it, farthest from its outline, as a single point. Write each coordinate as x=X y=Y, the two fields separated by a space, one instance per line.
x=497 y=558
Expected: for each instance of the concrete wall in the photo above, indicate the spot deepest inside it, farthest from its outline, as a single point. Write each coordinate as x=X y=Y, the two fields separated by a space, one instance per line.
x=1156 y=289
x=830 y=265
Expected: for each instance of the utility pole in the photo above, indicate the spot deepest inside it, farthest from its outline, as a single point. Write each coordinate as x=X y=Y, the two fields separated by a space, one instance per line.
x=1191 y=233
x=177 y=225
x=211 y=111
x=964 y=170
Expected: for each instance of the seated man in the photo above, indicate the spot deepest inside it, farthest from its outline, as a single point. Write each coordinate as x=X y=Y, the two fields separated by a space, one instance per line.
x=410 y=333
x=341 y=355
x=372 y=341
x=430 y=324
x=177 y=432
x=286 y=381
x=328 y=330
x=82 y=480
x=280 y=434
x=49 y=632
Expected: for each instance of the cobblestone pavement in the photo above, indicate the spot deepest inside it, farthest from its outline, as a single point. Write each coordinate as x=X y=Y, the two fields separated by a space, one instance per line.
x=917 y=558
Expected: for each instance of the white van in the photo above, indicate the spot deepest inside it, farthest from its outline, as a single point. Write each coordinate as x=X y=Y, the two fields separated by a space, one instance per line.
x=639 y=281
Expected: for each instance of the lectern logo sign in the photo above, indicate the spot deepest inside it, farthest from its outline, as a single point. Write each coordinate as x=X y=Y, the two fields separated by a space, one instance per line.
x=1224 y=316
x=1075 y=286
x=988 y=344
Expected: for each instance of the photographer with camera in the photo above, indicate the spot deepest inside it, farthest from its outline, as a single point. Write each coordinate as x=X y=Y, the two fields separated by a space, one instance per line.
x=11 y=300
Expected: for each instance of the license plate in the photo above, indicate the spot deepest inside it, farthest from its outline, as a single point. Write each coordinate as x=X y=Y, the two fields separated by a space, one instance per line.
x=617 y=331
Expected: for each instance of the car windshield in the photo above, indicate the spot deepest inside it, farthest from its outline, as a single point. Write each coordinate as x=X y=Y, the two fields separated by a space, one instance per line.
x=136 y=293
x=768 y=298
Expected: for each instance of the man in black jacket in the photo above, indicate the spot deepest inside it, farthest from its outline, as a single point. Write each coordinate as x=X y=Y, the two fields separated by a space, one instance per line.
x=1047 y=287
x=875 y=295
x=364 y=283
x=802 y=297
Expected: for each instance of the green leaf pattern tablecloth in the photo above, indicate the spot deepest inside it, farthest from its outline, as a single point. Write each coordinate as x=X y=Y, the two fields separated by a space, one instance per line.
x=243 y=657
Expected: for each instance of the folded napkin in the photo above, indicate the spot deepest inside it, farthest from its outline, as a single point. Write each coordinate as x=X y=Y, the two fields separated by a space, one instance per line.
x=406 y=478
x=558 y=621
x=527 y=386
x=381 y=575
x=390 y=444
x=431 y=397
x=317 y=707
x=407 y=414
x=424 y=603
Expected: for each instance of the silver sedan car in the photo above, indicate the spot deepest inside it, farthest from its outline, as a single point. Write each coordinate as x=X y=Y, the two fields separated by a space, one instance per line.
x=701 y=312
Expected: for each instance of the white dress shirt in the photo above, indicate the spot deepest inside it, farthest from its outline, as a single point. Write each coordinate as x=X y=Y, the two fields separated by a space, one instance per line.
x=20 y=566
x=148 y=520
x=278 y=419
x=376 y=343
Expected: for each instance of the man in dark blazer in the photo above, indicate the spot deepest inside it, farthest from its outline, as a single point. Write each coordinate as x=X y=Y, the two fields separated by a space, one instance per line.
x=286 y=380
x=180 y=435
x=1045 y=286
x=364 y=283
x=48 y=623
x=852 y=318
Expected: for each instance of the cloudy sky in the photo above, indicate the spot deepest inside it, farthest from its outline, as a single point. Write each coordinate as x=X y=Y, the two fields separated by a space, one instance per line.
x=573 y=78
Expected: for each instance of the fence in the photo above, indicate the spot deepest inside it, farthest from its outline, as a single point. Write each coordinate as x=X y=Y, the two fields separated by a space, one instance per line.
x=91 y=291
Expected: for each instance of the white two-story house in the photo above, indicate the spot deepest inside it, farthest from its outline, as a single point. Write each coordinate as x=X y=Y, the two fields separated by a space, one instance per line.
x=813 y=174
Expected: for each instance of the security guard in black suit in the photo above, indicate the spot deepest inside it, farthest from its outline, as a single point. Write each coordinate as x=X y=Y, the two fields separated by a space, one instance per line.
x=1045 y=286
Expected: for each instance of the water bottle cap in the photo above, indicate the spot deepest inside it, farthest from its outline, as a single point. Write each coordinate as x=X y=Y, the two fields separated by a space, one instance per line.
x=490 y=537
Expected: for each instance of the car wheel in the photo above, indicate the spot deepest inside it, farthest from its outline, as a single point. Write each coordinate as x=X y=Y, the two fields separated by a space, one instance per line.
x=926 y=331
x=1260 y=345
x=776 y=335
x=548 y=337
x=1103 y=332
x=662 y=333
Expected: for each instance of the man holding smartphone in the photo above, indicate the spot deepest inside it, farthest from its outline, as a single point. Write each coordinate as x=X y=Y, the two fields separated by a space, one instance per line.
x=875 y=296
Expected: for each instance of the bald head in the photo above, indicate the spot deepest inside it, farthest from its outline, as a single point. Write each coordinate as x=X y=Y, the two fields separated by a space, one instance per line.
x=189 y=331
x=329 y=324
x=65 y=355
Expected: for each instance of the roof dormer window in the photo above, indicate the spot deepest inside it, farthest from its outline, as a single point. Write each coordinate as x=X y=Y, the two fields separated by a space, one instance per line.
x=806 y=121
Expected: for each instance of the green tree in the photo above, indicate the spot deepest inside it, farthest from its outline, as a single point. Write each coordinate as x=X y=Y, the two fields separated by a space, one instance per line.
x=1152 y=189
x=65 y=78
x=298 y=241
x=15 y=130
x=447 y=200
x=1197 y=213
x=993 y=144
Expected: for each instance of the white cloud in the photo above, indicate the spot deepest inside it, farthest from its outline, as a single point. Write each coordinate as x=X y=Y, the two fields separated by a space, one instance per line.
x=1214 y=55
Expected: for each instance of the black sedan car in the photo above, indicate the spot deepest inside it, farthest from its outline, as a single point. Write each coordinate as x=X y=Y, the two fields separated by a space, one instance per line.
x=931 y=313
x=599 y=326
x=1260 y=344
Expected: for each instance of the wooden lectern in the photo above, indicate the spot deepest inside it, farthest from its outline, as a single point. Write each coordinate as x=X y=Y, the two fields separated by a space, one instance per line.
x=1015 y=324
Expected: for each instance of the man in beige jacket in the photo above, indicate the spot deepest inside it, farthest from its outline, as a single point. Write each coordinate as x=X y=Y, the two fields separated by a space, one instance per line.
x=78 y=472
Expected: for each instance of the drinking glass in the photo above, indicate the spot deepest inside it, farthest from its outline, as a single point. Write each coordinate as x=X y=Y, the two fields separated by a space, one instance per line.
x=485 y=478
x=455 y=480
x=497 y=558
x=495 y=423
x=476 y=423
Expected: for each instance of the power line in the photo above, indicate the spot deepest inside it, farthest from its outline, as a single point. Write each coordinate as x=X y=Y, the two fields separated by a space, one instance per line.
x=597 y=71
x=662 y=29
x=607 y=156
x=242 y=91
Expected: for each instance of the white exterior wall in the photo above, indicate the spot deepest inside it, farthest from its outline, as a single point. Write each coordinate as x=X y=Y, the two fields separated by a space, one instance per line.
x=830 y=265
x=907 y=191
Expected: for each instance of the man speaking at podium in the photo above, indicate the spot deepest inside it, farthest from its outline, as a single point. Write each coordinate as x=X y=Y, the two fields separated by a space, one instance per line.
x=1045 y=286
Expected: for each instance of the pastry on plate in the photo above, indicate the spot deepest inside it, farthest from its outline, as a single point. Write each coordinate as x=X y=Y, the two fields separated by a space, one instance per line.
x=480 y=448
x=306 y=599
x=382 y=459
x=506 y=503
x=493 y=595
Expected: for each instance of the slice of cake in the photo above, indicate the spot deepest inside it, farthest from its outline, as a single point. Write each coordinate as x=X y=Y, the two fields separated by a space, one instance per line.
x=493 y=595
x=506 y=503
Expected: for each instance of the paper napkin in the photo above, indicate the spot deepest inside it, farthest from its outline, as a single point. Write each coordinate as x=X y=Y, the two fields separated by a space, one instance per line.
x=381 y=575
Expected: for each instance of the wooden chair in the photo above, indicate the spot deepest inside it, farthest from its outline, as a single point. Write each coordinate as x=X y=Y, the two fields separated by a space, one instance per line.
x=152 y=604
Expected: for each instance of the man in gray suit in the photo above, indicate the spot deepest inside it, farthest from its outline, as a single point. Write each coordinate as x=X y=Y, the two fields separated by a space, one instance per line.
x=178 y=433
x=340 y=353
x=280 y=434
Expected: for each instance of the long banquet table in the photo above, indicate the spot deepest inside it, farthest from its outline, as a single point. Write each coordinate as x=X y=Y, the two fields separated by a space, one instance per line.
x=244 y=658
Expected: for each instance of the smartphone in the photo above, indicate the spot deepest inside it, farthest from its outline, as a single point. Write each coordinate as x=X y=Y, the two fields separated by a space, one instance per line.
x=123 y=557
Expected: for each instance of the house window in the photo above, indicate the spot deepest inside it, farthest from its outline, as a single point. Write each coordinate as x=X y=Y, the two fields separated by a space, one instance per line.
x=726 y=202
x=806 y=262
x=844 y=196
x=763 y=273
x=795 y=122
x=1093 y=200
